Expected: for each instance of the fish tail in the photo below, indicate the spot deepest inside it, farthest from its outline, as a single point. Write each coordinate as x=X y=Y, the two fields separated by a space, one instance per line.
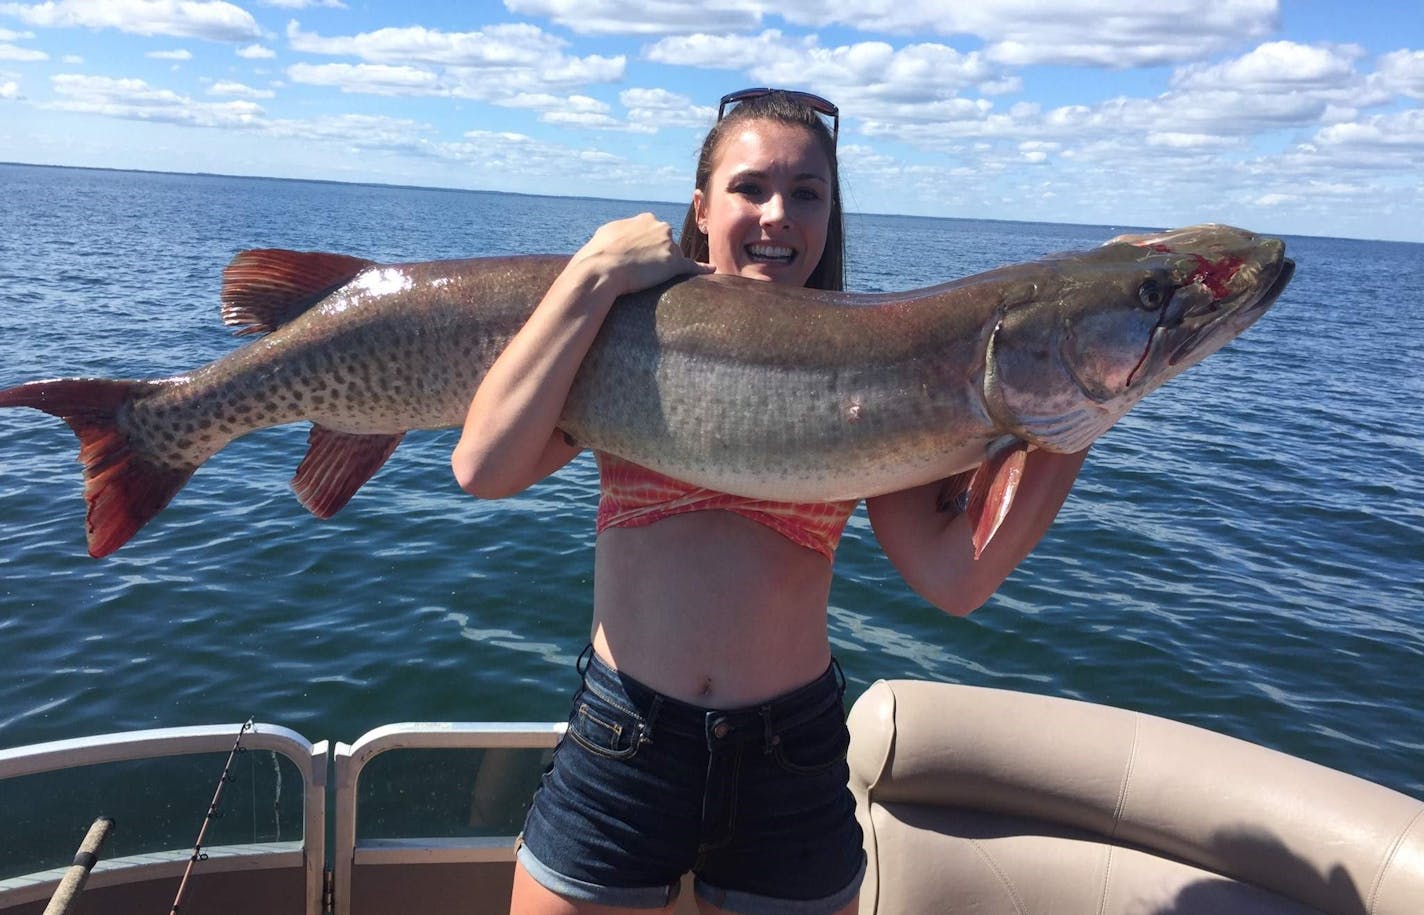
x=123 y=488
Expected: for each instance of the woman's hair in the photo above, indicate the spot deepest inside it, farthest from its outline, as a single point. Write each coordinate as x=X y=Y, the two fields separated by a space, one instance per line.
x=782 y=108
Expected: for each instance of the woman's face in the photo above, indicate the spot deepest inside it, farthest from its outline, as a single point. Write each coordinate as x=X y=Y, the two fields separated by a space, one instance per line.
x=767 y=204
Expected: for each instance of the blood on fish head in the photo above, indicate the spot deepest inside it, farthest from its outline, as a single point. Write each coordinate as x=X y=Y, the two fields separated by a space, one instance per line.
x=1127 y=317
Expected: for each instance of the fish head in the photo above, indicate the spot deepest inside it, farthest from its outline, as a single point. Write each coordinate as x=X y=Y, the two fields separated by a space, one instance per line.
x=1120 y=321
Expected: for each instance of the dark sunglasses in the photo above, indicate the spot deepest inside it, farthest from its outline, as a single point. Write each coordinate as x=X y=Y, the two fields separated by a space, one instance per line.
x=814 y=102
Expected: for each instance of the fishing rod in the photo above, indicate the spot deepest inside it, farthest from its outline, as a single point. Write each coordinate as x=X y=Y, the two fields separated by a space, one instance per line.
x=72 y=884
x=211 y=815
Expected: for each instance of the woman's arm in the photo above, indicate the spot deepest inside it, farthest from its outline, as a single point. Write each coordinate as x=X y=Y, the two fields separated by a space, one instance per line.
x=933 y=550
x=509 y=440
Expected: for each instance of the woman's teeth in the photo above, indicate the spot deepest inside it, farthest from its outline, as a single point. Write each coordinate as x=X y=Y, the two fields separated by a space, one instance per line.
x=771 y=253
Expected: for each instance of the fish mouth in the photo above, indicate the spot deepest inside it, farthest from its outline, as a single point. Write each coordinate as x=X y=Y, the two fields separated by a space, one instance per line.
x=1212 y=313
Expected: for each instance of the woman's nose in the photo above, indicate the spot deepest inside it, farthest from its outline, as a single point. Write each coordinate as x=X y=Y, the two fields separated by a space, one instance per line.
x=773 y=211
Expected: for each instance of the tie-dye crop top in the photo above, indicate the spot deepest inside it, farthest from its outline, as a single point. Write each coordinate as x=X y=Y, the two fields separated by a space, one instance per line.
x=634 y=496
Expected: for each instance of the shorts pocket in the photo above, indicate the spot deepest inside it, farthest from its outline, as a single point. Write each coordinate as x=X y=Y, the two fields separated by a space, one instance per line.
x=605 y=730
x=815 y=746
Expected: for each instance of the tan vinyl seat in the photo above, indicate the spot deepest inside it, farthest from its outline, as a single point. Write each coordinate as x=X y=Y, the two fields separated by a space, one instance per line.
x=988 y=801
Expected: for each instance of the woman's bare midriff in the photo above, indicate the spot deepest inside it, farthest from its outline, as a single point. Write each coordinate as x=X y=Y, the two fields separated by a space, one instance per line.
x=711 y=608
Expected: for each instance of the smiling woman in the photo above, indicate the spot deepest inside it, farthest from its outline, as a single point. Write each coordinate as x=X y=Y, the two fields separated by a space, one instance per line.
x=710 y=621
x=771 y=213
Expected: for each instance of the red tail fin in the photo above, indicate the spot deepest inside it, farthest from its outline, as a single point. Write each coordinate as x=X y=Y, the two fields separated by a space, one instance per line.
x=123 y=488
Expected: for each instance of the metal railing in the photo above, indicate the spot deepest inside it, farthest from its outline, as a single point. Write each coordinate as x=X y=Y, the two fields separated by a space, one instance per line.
x=309 y=759
x=349 y=762
x=351 y=853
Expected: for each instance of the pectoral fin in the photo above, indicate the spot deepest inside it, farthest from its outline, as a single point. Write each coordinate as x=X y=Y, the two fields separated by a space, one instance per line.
x=991 y=493
x=953 y=498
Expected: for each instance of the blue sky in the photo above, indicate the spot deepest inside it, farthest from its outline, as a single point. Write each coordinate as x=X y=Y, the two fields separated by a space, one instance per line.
x=1292 y=117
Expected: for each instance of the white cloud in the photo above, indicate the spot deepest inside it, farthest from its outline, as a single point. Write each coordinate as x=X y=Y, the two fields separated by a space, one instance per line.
x=179 y=54
x=21 y=55
x=590 y=120
x=1178 y=140
x=865 y=76
x=304 y=4
x=256 y=52
x=1382 y=132
x=1008 y=85
x=373 y=79
x=358 y=131
x=658 y=108
x=1037 y=151
x=1276 y=86
x=588 y=113
x=9 y=89
x=642 y=17
x=238 y=90
x=730 y=52
x=1276 y=64
x=209 y=20
x=579 y=111
x=137 y=100
x=1402 y=72
x=512 y=44
x=1100 y=33
x=494 y=64
x=11 y=52
x=533 y=161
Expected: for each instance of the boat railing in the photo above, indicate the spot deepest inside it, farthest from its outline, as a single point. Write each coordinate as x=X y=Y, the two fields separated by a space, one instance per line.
x=83 y=758
x=479 y=811
x=404 y=795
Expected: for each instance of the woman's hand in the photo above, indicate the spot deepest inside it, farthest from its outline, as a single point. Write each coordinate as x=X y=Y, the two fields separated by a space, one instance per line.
x=634 y=254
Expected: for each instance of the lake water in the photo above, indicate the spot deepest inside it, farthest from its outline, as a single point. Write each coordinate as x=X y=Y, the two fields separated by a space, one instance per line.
x=1245 y=551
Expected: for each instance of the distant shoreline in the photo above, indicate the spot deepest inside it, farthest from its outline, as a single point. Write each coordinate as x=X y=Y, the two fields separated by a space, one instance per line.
x=467 y=190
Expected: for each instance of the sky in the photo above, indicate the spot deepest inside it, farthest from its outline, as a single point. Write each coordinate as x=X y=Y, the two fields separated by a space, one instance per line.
x=1301 y=117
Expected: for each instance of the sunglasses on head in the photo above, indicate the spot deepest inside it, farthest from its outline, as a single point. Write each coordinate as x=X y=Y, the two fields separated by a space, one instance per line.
x=814 y=102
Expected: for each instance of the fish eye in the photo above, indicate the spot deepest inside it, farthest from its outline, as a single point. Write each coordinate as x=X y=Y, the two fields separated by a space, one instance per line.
x=1151 y=295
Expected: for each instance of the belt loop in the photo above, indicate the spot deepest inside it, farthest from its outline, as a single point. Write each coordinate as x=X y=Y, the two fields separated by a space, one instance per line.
x=769 y=738
x=840 y=675
x=585 y=658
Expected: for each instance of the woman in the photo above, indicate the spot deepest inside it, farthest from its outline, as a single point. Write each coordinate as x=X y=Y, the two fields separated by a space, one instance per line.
x=709 y=733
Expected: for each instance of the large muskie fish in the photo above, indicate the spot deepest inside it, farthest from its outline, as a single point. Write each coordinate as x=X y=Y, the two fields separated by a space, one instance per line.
x=747 y=387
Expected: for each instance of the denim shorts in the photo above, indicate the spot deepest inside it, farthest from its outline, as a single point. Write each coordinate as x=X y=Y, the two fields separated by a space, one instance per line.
x=644 y=788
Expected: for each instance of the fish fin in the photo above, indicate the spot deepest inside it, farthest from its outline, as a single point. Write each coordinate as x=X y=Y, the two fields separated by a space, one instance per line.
x=122 y=489
x=337 y=464
x=992 y=491
x=264 y=288
x=953 y=497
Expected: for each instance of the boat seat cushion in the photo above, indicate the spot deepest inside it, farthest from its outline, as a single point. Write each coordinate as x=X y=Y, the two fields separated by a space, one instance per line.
x=992 y=801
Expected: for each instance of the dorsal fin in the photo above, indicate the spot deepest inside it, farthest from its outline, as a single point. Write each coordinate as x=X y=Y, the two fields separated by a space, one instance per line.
x=264 y=288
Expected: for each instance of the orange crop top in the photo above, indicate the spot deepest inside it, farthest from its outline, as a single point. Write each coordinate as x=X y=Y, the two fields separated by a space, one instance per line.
x=634 y=496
